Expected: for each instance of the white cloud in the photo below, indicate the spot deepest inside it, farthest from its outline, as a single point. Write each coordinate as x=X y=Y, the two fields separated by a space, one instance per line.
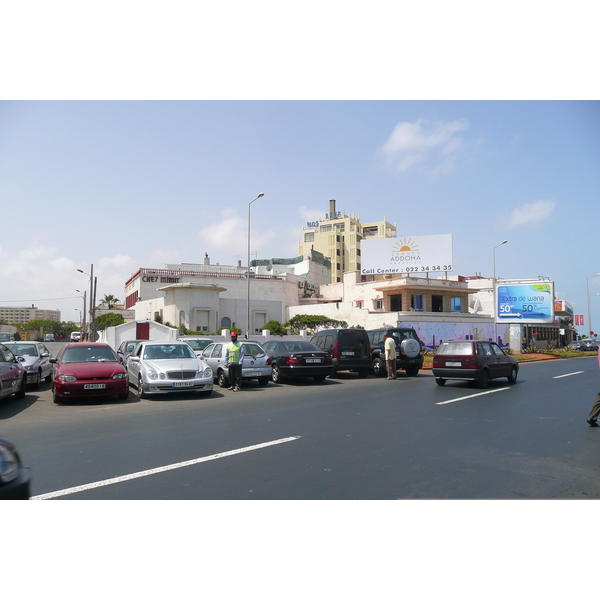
x=531 y=213
x=433 y=146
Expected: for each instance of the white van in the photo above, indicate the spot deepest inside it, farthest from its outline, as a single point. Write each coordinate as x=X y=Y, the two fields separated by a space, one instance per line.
x=75 y=336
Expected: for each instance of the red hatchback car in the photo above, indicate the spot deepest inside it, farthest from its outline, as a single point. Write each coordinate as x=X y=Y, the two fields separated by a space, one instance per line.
x=89 y=369
x=473 y=361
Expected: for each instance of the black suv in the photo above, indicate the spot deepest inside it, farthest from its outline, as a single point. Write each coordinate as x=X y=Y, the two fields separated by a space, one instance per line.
x=349 y=349
x=409 y=350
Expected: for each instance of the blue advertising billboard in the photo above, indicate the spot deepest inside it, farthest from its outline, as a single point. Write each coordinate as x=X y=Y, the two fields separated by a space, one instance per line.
x=525 y=303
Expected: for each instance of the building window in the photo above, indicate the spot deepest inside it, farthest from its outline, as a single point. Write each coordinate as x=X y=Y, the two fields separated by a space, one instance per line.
x=379 y=304
x=437 y=303
x=337 y=251
x=309 y=237
x=456 y=304
x=338 y=266
x=416 y=302
x=226 y=323
x=326 y=228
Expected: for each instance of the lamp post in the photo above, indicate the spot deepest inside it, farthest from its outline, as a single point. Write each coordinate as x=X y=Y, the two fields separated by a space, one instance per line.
x=82 y=326
x=248 y=271
x=495 y=302
x=587 y=282
x=92 y=294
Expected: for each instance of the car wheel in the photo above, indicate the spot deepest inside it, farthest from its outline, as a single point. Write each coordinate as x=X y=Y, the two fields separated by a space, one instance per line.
x=123 y=396
x=263 y=381
x=37 y=381
x=140 y=387
x=412 y=371
x=363 y=373
x=276 y=375
x=483 y=379
x=440 y=381
x=378 y=367
x=20 y=393
x=222 y=379
x=512 y=378
x=319 y=378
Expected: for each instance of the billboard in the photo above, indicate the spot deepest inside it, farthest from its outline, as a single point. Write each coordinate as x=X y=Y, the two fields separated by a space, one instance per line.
x=422 y=254
x=525 y=303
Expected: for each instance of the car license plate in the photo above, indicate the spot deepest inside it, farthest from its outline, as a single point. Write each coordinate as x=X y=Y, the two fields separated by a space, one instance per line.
x=94 y=386
x=347 y=353
x=313 y=360
x=182 y=384
x=453 y=363
x=252 y=373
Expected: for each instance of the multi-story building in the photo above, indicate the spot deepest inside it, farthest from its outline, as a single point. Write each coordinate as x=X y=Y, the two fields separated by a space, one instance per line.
x=24 y=314
x=338 y=237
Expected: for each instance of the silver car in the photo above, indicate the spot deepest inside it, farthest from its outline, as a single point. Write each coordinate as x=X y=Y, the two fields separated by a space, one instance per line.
x=257 y=365
x=36 y=360
x=157 y=368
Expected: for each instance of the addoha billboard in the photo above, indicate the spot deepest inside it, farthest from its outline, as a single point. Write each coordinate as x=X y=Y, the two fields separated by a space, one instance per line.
x=422 y=254
x=525 y=303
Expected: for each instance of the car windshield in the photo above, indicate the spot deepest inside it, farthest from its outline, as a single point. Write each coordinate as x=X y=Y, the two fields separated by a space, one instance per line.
x=299 y=347
x=130 y=346
x=82 y=353
x=23 y=349
x=456 y=348
x=253 y=350
x=168 y=351
x=198 y=345
x=399 y=336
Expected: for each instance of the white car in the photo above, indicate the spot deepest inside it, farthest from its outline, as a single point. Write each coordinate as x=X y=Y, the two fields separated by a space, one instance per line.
x=257 y=365
x=158 y=368
x=75 y=336
x=35 y=357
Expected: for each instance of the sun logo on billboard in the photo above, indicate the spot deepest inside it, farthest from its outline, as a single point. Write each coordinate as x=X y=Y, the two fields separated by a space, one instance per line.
x=405 y=245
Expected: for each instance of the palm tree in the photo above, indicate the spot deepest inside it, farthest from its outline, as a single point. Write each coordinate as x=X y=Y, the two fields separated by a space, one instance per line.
x=109 y=300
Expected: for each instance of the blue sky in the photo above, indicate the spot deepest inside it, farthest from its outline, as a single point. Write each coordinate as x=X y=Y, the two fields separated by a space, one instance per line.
x=129 y=184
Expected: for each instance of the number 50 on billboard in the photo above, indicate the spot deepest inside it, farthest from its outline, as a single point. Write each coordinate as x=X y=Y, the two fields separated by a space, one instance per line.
x=525 y=303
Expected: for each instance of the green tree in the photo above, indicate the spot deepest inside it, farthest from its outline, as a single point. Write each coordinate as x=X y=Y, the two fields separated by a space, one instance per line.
x=312 y=323
x=109 y=320
x=109 y=300
x=275 y=327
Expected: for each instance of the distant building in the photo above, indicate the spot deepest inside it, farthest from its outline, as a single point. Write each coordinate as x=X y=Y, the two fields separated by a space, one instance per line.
x=338 y=237
x=24 y=314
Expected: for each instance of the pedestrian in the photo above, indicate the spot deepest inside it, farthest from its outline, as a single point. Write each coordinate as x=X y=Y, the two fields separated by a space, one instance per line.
x=593 y=416
x=234 y=360
x=390 y=355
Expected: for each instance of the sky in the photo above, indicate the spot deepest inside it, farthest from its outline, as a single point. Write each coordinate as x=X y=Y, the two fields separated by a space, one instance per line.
x=127 y=184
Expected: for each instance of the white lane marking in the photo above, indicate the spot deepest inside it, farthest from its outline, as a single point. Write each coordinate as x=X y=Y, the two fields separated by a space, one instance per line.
x=187 y=463
x=474 y=395
x=568 y=374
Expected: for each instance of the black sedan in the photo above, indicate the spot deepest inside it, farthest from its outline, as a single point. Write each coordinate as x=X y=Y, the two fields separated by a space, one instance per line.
x=14 y=478
x=297 y=359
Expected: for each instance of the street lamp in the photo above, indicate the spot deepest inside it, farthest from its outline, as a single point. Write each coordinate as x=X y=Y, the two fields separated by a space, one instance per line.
x=92 y=293
x=587 y=282
x=248 y=271
x=82 y=326
x=495 y=302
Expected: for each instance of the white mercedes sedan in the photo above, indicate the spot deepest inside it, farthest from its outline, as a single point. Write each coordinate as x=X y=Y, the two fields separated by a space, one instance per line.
x=159 y=368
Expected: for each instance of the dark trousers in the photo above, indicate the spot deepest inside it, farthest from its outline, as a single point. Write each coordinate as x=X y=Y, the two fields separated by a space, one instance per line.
x=596 y=408
x=235 y=375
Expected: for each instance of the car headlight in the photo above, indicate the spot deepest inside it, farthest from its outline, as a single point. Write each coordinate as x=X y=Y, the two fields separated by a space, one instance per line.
x=162 y=376
x=67 y=378
x=10 y=463
x=119 y=376
x=207 y=372
x=31 y=368
x=152 y=374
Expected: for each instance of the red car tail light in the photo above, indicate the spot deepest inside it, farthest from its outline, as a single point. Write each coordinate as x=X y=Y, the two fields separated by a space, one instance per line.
x=335 y=349
x=292 y=360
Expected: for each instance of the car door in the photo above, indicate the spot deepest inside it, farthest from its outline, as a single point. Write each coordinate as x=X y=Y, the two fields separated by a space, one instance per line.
x=133 y=367
x=45 y=356
x=215 y=357
x=488 y=357
x=10 y=374
x=503 y=364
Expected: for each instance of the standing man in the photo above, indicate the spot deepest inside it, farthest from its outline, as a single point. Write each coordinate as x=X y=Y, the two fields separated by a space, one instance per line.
x=390 y=355
x=234 y=359
x=593 y=416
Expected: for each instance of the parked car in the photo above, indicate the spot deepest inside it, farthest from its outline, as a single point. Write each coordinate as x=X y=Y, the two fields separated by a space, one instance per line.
x=49 y=338
x=349 y=349
x=13 y=376
x=75 y=336
x=6 y=337
x=125 y=349
x=36 y=360
x=87 y=370
x=14 y=478
x=290 y=360
x=197 y=342
x=589 y=346
x=159 y=368
x=409 y=350
x=256 y=363
x=473 y=361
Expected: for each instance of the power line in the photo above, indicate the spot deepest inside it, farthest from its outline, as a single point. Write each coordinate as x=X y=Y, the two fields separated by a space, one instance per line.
x=39 y=299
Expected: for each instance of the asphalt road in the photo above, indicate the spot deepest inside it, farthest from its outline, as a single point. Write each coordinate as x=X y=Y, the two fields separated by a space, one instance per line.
x=347 y=438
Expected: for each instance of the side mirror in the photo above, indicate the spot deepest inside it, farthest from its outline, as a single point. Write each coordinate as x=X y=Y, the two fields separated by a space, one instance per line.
x=53 y=360
x=20 y=359
x=44 y=354
x=133 y=358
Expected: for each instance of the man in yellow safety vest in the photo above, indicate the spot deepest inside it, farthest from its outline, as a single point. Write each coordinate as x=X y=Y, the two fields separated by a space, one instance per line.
x=234 y=359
